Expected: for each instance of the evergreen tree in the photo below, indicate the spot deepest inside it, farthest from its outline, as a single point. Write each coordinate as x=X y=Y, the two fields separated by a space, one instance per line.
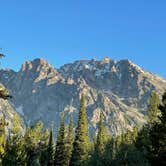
x=80 y=153
x=153 y=110
x=15 y=154
x=109 y=152
x=50 y=150
x=34 y=140
x=60 y=151
x=100 y=143
x=94 y=141
x=128 y=154
x=143 y=140
x=157 y=135
x=101 y=137
x=69 y=141
x=44 y=148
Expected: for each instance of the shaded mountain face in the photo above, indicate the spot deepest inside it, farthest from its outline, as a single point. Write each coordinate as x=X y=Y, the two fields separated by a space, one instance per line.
x=120 y=89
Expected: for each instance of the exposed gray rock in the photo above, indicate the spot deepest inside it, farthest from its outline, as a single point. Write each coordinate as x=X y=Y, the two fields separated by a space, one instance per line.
x=120 y=89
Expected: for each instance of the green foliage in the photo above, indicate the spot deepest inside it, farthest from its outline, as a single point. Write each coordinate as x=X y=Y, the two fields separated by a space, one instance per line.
x=142 y=141
x=127 y=153
x=14 y=151
x=98 y=157
x=153 y=110
x=60 y=153
x=109 y=153
x=50 y=150
x=69 y=141
x=3 y=124
x=151 y=140
x=157 y=135
x=80 y=154
x=34 y=142
x=101 y=137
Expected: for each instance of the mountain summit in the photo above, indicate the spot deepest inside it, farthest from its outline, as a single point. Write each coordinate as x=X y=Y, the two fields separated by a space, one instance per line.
x=120 y=89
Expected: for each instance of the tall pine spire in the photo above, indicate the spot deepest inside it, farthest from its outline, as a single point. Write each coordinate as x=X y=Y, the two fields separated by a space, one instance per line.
x=50 y=150
x=101 y=137
x=69 y=141
x=60 y=155
x=81 y=142
x=99 y=149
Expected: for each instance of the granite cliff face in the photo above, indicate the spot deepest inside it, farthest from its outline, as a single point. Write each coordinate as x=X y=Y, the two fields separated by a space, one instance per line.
x=120 y=89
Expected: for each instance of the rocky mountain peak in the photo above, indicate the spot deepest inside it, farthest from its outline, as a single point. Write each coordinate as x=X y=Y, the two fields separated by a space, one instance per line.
x=129 y=64
x=105 y=60
x=120 y=89
x=32 y=77
x=35 y=64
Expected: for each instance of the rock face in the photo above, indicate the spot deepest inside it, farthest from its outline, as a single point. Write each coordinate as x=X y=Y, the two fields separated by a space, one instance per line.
x=7 y=111
x=120 y=89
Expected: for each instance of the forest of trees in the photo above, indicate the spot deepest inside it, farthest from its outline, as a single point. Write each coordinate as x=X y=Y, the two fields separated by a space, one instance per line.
x=37 y=146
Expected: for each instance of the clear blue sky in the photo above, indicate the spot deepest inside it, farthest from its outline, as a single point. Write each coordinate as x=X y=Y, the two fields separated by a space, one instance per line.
x=62 y=31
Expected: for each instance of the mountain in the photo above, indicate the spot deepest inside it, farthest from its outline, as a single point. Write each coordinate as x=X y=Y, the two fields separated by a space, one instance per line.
x=7 y=111
x=120 y=89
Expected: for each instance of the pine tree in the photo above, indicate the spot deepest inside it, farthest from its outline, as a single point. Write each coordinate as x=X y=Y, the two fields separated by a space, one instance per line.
x=44 y=148
x=128 y=154
x=50 y=150
x=94 y=141
x=100 y=143
x=34 y=141
x=69 y=141
x=101 y=137
x=60 y=151
x=153 y=110
x=157 y=135
x=109 y=152
x=80 y=153
x=143 y=142
x=14 y=152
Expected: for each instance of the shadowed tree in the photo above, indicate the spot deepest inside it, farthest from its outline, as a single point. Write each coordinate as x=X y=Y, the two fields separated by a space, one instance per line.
x=69 y=141
x=50 y=150
x=60 y=154
x=157 y=135
x=153 y=110
x=99 y=149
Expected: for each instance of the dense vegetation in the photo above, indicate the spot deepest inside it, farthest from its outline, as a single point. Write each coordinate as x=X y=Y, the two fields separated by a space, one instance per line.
x=36 y=146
